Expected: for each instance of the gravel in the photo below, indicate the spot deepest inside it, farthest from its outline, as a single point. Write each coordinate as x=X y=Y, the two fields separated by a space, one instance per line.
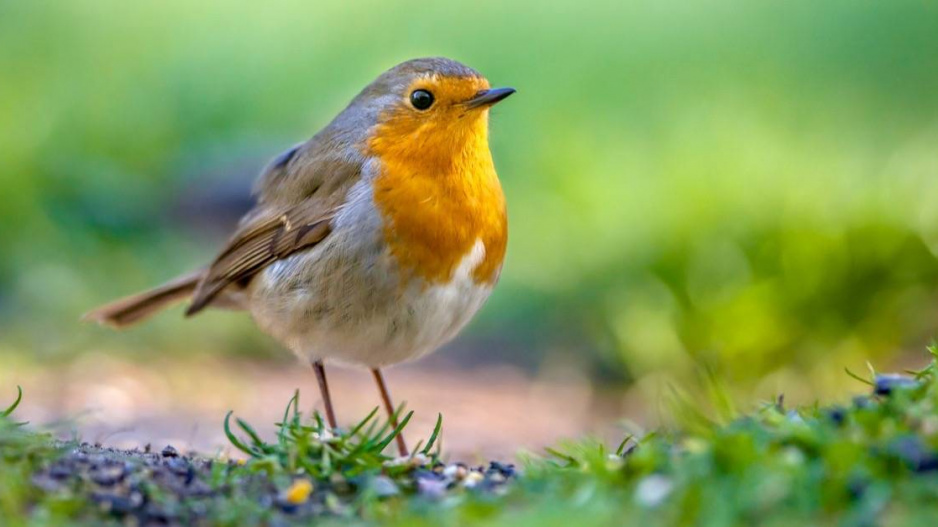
x=168 y=488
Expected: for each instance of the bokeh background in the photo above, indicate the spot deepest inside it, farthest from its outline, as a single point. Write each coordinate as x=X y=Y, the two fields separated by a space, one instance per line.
x=730 y=190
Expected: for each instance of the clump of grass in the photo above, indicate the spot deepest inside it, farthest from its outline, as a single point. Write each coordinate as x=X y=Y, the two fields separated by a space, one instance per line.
x=312 y=448
x=15 y=440
x=21 y=452
x=873 y=461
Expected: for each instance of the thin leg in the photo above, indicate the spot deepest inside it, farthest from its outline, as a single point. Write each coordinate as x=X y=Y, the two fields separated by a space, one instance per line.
x=324 y=391
x=389 y=407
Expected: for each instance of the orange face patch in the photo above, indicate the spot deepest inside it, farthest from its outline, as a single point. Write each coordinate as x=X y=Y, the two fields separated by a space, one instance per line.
x=437 y=188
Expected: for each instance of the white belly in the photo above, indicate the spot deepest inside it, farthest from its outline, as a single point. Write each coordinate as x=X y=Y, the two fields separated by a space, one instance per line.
x=360 y=321
x=344 y=301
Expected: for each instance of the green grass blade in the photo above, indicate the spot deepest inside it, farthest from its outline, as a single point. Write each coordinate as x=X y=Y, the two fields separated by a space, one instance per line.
x=571 y=461
x=394 y=433
x=436 y=433
x=394 y=417
x=19 y=397
x=719 y=396
x=234 y=439
x=320 y=424
x=361 y=424
x=249 y=430
x=857 y=377
x=282 y=433
x=326 y=460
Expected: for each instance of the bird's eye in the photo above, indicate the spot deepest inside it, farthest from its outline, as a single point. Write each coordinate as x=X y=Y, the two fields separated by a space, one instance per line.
x=421 y=99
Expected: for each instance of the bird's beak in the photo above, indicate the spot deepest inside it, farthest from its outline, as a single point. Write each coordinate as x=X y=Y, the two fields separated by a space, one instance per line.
x=488 y=97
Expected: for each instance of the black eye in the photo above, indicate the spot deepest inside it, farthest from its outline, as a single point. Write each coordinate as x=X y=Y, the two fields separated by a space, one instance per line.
x=421 y=99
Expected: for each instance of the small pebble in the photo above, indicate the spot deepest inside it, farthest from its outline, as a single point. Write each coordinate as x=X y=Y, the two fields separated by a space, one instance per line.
x=169 y=451
x=472 y=479
x=383 y=487
x=918 y=456
x=505 y=469
x=837 y=415
x=109 y=475
x=182 y=468
x=431 y=487
x=886 y=383
x=119 y=504
x=455 y=472
x=653 y=490
x=61 y=471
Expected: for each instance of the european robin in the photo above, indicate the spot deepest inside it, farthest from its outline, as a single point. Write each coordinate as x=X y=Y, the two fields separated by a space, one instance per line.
x=372 y=243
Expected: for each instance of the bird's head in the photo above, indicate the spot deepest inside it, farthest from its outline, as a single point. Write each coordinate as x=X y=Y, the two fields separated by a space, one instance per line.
x=432 y=112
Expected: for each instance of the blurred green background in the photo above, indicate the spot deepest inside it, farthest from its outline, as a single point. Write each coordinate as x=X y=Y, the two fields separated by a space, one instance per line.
x=747 y=186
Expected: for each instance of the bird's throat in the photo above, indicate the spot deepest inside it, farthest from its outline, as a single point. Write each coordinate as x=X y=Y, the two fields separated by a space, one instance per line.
x=437 y=205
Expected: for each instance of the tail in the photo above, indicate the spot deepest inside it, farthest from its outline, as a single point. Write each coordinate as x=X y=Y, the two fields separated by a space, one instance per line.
x=132 y=309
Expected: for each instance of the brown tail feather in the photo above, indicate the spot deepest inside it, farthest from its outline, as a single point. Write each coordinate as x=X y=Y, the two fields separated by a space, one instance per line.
x=134 y=308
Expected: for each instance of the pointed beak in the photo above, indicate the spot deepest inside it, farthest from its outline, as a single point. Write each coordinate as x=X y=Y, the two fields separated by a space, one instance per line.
x=487 y=98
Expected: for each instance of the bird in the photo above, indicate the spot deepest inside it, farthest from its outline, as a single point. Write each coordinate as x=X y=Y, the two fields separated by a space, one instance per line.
x=372 y=243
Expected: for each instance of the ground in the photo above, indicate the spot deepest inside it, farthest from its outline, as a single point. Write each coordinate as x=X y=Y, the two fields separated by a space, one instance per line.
x=128 y=404
x=870 y=461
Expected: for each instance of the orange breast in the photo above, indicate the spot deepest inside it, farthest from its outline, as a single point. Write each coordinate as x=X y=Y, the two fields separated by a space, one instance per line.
x=438 y=195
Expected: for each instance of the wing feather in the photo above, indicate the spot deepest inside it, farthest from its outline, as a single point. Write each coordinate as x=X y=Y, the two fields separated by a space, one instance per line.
x=258 y=245
x=298 y=196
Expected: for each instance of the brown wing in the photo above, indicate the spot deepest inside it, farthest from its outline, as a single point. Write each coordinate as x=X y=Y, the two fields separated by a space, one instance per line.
x=260 y=243
x=298 y=195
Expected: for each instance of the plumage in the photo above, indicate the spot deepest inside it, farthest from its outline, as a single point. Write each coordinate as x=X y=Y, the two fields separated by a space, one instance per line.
x=259 y=244
x=375 y=241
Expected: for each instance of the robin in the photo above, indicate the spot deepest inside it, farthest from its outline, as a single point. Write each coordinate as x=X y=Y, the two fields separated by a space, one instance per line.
x=372 y=243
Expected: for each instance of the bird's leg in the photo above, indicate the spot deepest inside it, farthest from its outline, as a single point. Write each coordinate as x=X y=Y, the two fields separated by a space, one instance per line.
x=389 y=407
x=324 y=391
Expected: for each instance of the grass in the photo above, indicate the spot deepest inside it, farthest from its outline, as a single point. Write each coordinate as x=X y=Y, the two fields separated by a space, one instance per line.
x=313 y=449
x=871 y=461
